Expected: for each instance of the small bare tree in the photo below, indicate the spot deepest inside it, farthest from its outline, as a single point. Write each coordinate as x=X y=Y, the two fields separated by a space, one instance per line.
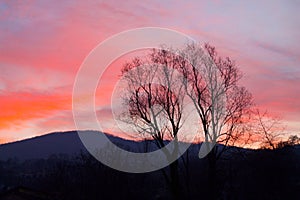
x=267 y=128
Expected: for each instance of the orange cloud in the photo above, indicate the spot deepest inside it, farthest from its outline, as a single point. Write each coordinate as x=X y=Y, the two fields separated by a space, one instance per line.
x=17 y=107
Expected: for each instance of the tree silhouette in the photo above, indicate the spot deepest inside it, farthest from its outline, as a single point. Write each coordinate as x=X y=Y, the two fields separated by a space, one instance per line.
x=208 y=80
x=222 y=105
x=155 y=101
x=292 y=140
x=268 y=127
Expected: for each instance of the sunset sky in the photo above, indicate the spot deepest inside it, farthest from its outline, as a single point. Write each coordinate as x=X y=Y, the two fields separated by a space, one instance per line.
x=43 y=43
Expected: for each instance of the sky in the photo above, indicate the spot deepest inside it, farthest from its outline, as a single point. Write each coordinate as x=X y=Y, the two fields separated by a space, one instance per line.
x=43 y=44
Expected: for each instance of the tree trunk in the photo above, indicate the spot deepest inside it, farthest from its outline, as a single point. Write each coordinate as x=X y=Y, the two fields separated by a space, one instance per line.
x=212 y=174
x=175 y=180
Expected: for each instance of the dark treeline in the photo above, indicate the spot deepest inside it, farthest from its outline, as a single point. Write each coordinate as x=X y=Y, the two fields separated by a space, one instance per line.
x=241 y=174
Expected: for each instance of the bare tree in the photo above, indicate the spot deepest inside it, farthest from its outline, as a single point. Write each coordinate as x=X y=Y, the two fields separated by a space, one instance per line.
x=267 y=128
x=209 y=81
x=223 y=106
x=155 y=100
